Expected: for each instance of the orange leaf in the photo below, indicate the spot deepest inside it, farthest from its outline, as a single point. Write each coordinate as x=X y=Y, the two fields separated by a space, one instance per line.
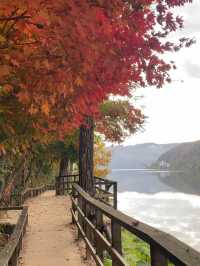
x=79 y=81
x=45 y=108
x=8 y=87
x=23 y=97
x=2 y=150
x=4 y=71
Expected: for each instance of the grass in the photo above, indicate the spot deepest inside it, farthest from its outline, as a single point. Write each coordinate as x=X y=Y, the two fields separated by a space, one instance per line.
x=135 y=251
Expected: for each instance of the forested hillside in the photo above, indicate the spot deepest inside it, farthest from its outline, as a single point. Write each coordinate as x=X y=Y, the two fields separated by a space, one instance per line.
x=137 y=156
x=185 y=156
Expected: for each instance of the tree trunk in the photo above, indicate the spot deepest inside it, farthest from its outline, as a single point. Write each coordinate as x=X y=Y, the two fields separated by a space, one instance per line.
x=63 y=170
x=64 y=162
x=86 y=142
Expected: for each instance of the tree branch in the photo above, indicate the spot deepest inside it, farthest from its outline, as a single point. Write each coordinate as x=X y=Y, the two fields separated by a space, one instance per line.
x=14 y=18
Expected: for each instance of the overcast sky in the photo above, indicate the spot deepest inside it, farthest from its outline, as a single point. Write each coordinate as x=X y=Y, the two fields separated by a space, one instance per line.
x=174 y=111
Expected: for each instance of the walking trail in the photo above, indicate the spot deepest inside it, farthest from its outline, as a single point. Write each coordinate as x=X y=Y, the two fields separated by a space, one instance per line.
x=50 y=238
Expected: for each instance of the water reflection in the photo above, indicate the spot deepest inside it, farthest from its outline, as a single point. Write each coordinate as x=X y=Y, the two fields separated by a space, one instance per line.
x=184 y=182
x=139 y=181
x=167 y=200
x=151 y=181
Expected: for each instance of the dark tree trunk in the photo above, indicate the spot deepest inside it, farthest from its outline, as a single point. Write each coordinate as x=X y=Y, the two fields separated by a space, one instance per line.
x=63 y=170
x=86 y=142
x=63 y=166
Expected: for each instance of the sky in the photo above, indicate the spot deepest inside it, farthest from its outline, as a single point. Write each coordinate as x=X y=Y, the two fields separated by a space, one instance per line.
x=174 y=111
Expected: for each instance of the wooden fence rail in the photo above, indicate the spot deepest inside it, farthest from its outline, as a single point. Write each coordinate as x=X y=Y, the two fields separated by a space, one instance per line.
x=10 y=253
x=106 y=190
x=64 y=183
x=90 y=214
x=18 y=199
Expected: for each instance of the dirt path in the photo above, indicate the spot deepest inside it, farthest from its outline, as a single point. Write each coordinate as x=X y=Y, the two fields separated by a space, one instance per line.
x=50 y=240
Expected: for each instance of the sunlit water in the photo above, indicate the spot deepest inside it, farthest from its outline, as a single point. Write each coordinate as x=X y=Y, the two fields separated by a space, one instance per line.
x=168 y=201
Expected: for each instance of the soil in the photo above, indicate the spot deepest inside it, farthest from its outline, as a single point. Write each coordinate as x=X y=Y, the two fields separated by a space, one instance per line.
x=8 y=219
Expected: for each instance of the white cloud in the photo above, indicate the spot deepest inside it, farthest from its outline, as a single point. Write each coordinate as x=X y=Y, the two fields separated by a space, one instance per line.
x=192 y=69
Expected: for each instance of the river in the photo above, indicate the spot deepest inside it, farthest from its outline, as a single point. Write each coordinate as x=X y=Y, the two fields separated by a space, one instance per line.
x=166 y=200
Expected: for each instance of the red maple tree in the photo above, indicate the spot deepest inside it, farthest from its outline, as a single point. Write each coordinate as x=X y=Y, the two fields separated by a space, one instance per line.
x=63 y=58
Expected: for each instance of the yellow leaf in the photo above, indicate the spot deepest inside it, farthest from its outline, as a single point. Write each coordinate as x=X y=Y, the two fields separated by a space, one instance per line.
x=2 y=39
x=32 y=110
x=45 y=108
x=79 y=81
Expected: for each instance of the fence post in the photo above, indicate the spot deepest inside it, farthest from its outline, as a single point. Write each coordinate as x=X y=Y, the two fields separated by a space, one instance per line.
x=63 y=185
x=99 y=226
x=157 y=257
x=80 y=220
x=73 y=207
x=115 y=194
x=56 y=185
x=116 y=239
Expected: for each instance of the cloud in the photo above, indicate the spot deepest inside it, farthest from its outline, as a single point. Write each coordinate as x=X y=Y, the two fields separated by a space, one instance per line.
x=190 y=14
x=192 y=69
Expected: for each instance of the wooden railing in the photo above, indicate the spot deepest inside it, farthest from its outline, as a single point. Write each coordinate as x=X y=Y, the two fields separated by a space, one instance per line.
x=10 y=253
x=90 y=215
x=32 y=192
x=18 y=199
x=64 y=183
x=106 y=190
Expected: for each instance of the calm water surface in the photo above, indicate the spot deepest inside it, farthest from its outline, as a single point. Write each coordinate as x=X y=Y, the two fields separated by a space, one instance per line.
x=167 y=200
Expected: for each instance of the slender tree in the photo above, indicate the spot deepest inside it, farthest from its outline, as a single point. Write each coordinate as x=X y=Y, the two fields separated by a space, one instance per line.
x=86 y=151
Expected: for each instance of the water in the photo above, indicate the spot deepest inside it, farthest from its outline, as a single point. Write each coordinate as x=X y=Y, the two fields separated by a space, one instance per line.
x=169 y=201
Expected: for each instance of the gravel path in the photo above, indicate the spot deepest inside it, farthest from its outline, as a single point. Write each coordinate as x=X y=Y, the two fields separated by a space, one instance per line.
x=50 y=238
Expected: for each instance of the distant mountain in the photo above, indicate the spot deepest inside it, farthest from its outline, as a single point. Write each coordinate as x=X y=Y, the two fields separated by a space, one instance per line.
x=137 y=156
x=185 y=156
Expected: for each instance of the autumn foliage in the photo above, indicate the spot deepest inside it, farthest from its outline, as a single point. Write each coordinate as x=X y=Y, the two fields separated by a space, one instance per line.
x=61 y=59
x=118 y=119
x=102 y=158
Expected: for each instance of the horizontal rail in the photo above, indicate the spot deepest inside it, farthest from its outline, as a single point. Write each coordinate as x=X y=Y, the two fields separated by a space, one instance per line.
x=104 y=188
x=32 y=192
x=20 y=197
x=11 y=208
x=69 y=175
x=164 y=247
x=108 y=189
x=10 y=253
x=104 y=180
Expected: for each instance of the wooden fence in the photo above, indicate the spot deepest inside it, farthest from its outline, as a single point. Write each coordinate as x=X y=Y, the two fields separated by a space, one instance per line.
x=106 y=190
x=90 y=215
x=10 y=253
x=64 y=183
x=17 y=199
